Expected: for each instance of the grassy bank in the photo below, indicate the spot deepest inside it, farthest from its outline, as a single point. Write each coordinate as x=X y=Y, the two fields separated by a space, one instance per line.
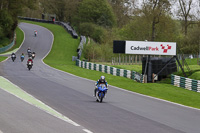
x=64 y=47
x=4 y=42
x=19 y=39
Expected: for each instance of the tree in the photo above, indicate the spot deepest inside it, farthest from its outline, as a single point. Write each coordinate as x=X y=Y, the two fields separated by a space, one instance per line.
x=9 y=11
x=64 y=9
x=154 y=10
x=98 y=12
x=139 y=29
x=121 y=10
x=184 y=12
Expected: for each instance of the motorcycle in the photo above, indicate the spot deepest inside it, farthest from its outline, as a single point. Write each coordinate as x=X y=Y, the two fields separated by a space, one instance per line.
x=33 y=55
x=101 y=92
x=22 y=58
x=35 y=33
x=29 y=65
x=13 y=57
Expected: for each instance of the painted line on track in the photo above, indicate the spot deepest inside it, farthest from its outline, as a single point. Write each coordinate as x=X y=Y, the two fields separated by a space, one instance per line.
x=13 y=89
x=87 y=131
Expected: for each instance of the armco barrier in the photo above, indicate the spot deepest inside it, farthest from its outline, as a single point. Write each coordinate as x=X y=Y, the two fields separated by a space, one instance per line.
x=110 y=70
x=69 y=29
x=190 y=84
x=65 y=25
x=80 y=47
x=3 y=49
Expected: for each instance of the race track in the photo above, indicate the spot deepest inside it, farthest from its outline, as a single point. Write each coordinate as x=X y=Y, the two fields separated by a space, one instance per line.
x=121 y=112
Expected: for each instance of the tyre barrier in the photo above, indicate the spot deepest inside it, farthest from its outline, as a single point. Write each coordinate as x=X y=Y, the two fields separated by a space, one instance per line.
x=186 y=83
x=111 y=70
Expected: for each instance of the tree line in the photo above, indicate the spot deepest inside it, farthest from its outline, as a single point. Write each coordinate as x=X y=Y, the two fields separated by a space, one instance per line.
x=108 y=20
x=9 y=11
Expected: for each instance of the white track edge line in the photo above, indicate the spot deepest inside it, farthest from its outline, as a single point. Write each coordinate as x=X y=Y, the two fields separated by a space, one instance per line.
x=87 y=131
x=129 y=91
x=64 y=117
x=68 y=120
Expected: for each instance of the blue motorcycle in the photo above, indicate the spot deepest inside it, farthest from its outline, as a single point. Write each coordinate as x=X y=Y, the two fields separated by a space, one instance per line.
x=101 y=92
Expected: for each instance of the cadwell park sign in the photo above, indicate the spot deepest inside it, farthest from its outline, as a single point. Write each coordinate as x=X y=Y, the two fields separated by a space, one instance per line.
x=150 y=48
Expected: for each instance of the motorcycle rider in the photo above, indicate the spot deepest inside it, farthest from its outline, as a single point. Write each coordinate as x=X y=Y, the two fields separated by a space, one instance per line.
x=100 y=81
x=13 y=56
x=33 y=55
x=30 y=60
x=35 y=33
x=29 y=52
x=22 y=56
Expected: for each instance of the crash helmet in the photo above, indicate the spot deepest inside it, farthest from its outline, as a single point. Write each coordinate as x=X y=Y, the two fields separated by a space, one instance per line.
x=30 y=58
x=102 y=79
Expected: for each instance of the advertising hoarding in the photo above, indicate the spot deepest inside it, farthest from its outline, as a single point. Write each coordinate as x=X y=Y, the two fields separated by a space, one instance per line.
x=150 y=48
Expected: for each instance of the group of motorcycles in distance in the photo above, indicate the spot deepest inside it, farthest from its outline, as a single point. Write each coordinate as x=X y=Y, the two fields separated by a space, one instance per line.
x=31 y=56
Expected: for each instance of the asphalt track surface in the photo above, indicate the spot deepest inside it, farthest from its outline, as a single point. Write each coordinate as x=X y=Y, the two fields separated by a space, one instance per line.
x=121 y=112
x=17 y=116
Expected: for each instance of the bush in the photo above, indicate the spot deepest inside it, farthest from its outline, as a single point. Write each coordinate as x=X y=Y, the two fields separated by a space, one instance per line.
x=94 y=31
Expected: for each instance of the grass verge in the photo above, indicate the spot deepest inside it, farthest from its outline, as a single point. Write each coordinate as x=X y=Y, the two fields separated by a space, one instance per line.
x=19 y=40
x=64 y=47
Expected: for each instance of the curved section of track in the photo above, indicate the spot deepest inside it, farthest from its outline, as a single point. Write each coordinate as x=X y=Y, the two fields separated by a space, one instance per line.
x=121 y=112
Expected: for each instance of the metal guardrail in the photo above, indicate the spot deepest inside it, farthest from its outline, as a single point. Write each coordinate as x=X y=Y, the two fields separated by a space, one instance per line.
x=65 y=25
x=69 y=29
x=80 y=47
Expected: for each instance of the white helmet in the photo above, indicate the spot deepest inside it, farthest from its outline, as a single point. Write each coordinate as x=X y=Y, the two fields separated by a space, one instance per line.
x=102 y=79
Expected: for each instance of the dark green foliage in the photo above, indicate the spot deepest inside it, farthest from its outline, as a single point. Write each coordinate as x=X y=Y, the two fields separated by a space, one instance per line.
x=94 y=31
x=6 y=23
x=9 y=11
x=98 y=12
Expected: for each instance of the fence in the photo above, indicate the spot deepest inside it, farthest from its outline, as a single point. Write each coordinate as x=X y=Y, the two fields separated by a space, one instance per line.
x=8 y=46
x=111 y=70
x=186 y=83
x=127 y=60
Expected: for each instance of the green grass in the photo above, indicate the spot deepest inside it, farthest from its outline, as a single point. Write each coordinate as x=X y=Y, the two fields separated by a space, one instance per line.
x=64 y=47
x=19 y=39
x=4 y=42
x=135 y=67
x=2 y=58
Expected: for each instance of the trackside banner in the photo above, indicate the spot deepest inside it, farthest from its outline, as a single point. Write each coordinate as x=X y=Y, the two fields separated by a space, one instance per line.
x=150 y=48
